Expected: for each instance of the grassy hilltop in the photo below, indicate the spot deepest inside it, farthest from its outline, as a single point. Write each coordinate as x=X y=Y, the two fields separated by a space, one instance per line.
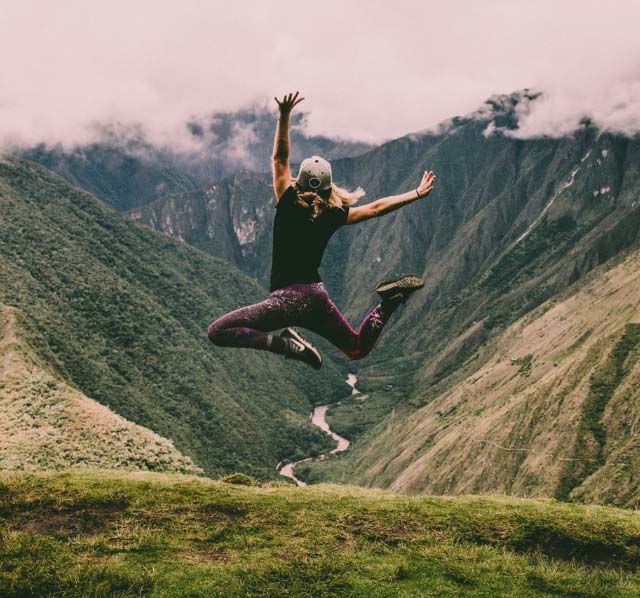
x=100 y=533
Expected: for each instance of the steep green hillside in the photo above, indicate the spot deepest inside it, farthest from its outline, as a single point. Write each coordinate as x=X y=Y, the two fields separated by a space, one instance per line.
x=547 y=408
x=47 y=424
x=123 y=174
x=106 y=534
x=121 y=313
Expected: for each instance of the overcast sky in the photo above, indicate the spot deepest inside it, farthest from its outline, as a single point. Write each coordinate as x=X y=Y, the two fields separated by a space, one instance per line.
x=369 y=70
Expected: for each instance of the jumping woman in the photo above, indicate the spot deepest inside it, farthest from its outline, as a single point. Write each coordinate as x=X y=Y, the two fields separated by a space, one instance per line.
x=309 y=210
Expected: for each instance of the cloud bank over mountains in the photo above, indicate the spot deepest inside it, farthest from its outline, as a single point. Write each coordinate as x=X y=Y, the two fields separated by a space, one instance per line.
x=368 y=72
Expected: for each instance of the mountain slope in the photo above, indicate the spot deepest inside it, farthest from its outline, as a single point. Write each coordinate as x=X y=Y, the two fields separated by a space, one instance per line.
x=47 y=424
x=105 y=534
x=550 y=407
x=124 y=175
x=122 y=313
x=511 y=223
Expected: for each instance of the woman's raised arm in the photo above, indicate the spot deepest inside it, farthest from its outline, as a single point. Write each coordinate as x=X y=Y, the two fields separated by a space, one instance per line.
x=384 y=205
x=281 y=173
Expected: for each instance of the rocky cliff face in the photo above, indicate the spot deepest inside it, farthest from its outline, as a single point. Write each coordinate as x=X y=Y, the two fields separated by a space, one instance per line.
x=231 y=220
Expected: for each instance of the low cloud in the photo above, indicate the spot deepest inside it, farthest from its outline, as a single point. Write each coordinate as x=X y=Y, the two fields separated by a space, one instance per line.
x=612 y=105
x=73 y=69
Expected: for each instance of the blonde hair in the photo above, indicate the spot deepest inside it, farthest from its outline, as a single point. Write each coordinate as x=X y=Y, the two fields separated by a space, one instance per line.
x=339 y=198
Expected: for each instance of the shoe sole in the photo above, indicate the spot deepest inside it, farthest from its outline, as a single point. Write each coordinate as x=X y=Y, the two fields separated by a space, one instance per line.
x=404 y=282
x=293 y=333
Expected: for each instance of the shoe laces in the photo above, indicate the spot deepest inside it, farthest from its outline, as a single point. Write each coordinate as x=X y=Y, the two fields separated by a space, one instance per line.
x=296 y=346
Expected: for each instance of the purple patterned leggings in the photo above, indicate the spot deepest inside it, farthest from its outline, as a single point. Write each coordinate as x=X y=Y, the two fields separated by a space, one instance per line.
x=305 y=305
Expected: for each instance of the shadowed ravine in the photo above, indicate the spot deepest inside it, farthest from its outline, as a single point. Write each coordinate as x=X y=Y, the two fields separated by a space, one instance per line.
x=318 y=418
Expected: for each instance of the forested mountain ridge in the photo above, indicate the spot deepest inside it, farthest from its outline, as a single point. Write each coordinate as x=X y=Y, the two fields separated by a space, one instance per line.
x=125 y=169
x=122 y=314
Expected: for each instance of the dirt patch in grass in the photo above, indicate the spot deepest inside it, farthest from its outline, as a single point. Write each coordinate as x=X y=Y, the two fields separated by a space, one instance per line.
x=391 y=532
x=68 y=519
x=210 y=554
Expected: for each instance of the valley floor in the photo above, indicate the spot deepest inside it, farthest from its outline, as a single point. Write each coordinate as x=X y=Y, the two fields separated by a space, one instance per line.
x=108 y=533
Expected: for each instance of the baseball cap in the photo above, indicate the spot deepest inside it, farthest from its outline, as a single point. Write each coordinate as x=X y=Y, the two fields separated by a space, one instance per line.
x=314 y=175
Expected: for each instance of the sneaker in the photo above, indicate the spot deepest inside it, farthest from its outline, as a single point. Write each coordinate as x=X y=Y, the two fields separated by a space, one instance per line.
x=298 y=347
x=398 y=289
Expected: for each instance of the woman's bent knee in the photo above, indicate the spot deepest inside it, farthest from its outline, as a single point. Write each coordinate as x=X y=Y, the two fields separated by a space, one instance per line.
x=213 y=332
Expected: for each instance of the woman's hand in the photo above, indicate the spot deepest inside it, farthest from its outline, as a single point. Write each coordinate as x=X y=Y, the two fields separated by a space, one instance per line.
x=426 y=184
x=288 y=102
x=384 y=205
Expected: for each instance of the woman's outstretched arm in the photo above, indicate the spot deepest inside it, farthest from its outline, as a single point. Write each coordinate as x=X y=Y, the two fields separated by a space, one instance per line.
x=281 y=173
x=384 y=205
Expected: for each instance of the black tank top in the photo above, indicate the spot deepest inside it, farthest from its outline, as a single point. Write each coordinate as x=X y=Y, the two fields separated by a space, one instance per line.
x=299 y=242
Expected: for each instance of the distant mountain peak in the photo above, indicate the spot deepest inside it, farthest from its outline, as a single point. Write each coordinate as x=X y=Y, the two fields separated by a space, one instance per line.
x=500 y=112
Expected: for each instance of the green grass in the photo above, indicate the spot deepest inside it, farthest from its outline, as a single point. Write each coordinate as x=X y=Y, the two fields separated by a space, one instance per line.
x=100 y=533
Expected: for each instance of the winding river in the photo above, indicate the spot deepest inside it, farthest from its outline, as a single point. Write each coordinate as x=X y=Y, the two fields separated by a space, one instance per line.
x=318 y=418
